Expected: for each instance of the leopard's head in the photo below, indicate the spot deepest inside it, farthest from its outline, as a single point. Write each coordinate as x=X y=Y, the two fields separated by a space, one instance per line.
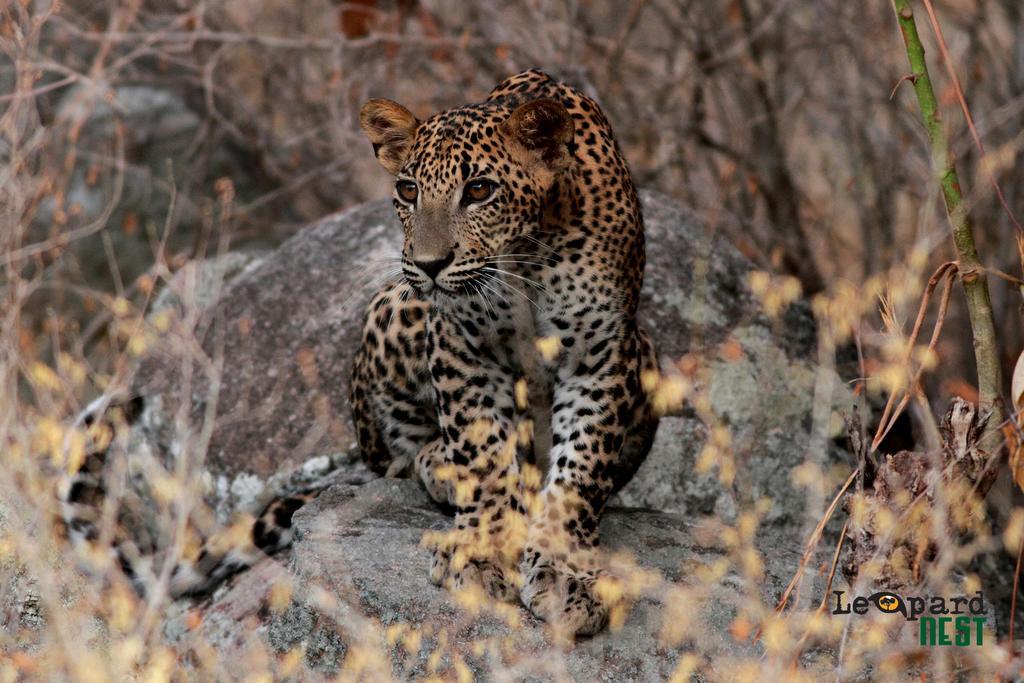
x=470 y=185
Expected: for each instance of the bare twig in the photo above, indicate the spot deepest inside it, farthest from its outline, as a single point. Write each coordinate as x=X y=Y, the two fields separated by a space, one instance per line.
x=835 y=564
x=1015 y=281
x=948 y=63
x=1016 y=587
x=903 y=79
x=268 y=41
x=812 y=542
x=828 y=587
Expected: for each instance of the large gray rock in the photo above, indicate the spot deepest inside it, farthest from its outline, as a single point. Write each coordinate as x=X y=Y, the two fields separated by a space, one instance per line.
x=359 y=574
x=354 y=598
x=759 y=375
x=286 y=327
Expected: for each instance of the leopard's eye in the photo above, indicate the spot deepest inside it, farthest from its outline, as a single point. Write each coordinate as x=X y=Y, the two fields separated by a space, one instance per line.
x=407 y=191
x=478 y=190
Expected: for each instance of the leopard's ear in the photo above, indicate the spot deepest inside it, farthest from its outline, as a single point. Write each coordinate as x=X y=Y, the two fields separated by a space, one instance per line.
x=391 y=128
x=544 y=129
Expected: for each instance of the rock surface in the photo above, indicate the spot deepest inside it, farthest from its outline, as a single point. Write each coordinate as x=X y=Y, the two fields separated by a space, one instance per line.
x=287 y=325
x=759 y=373
x=359 y=570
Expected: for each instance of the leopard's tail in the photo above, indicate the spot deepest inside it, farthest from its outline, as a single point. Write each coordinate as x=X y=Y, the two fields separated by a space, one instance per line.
x=217 y=560
x=93 y=491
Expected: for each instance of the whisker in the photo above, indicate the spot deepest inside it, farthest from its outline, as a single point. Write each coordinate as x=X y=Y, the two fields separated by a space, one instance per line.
x=516 y=290
x=375 y=263
x=529 y=263
x=488 y=309
x=501 y=256
x=538 y=243
x=401 y=300
x=524 y=279
x=379 y=279
x=374 y=283
x=495 y=292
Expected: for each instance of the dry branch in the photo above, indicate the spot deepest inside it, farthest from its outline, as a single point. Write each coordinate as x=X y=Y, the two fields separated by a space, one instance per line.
x=972 y=273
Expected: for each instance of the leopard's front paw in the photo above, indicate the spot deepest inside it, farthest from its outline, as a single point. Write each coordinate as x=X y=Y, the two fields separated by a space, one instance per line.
x=563 y=595
x=451 y=571
x=461 y=558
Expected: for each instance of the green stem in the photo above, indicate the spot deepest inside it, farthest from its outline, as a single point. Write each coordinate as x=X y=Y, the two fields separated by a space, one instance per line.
x=972 y=273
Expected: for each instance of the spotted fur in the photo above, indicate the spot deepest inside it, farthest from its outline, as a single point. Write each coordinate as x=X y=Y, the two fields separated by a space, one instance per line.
x=521 y=224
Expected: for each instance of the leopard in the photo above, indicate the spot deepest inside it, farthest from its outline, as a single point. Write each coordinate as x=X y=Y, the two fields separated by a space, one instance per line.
x=506 y=368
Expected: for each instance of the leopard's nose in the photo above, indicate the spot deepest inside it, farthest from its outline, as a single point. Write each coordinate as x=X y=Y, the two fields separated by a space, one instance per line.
x=433 y=267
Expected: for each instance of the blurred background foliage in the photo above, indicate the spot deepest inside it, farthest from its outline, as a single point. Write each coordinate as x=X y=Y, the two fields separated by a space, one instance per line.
x=777 y=121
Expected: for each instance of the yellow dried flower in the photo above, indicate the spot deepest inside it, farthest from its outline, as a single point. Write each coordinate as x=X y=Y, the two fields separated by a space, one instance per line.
x=548 y=347
x=522 y=393
x=281 y=595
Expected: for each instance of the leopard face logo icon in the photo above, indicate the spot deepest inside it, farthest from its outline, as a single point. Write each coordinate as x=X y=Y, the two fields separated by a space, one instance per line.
x=889 y=602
